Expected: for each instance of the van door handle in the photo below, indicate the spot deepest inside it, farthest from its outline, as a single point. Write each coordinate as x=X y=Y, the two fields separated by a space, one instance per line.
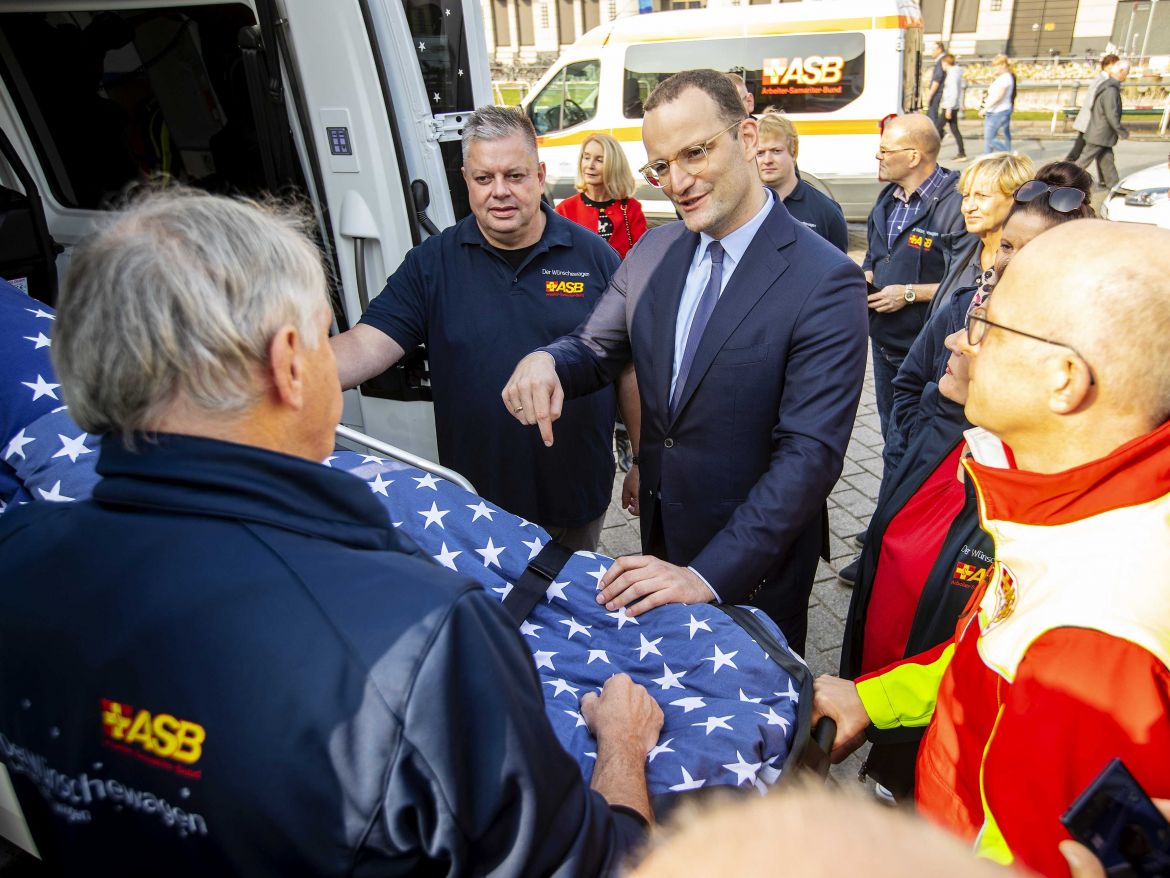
x=357 y=223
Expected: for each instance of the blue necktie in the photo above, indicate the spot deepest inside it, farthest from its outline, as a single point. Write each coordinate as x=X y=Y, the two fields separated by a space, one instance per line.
x=699 y=322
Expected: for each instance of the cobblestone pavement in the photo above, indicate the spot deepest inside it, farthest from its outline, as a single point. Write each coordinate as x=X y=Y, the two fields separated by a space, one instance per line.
x=850 y=505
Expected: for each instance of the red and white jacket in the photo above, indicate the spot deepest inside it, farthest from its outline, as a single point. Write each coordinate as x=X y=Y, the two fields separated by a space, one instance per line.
x=1063 y=664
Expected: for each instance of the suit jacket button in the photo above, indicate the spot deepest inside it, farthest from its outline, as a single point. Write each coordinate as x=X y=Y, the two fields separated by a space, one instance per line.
x=669 y=443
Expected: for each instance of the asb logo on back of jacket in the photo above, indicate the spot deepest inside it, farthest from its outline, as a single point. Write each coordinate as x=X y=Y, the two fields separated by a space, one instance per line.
x=148 y=736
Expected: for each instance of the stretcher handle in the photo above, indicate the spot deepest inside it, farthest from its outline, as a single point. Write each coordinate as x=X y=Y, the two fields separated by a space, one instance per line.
x=824 y=733
x=404 y=456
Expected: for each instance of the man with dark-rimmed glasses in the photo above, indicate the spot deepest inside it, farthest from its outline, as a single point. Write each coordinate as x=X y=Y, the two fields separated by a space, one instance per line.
x=747 y=331
x=1062 y=659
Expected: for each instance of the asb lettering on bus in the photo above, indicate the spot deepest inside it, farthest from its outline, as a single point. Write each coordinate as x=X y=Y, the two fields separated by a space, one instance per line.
x=813 y=70
x=158 y=734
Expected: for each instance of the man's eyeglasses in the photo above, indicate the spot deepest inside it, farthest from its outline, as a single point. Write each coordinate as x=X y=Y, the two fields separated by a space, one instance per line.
x=978 y=324
x=692 y=159
x=883 y=152
x=1062 y=199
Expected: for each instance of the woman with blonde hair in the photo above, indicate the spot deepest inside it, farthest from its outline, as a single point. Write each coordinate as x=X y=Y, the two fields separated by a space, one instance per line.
x=604 y=202
x=987 y=185
x=998 y=106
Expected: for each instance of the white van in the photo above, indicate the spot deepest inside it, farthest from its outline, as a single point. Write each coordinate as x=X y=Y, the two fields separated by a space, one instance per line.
x=354 y=105
x=838 y=69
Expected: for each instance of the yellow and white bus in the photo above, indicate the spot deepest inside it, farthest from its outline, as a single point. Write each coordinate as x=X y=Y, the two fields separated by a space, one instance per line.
x=837 y=69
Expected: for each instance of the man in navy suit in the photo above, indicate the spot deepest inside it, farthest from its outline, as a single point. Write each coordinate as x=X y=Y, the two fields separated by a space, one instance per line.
x=748 y=334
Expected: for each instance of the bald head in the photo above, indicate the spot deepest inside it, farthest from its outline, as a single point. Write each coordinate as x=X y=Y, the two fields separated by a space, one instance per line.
x=1100 y=290
x=839 y=835
x=919 y=132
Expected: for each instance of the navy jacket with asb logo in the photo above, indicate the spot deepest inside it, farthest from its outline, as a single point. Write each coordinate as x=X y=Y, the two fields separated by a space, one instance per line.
x=920 y=254
x=228 y=663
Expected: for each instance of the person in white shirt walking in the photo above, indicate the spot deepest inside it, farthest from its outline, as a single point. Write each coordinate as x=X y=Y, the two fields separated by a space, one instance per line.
x=997 y=108
x=952 y=102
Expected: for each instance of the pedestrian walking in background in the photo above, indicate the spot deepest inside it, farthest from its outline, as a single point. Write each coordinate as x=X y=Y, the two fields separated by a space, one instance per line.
x=997 y=107
x=1081 y=123
x=952 y=102
x=934 y=95
x=1105 y=127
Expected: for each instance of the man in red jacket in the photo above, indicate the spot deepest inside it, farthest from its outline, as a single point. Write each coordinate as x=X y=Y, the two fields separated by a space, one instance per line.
x=1065 y=664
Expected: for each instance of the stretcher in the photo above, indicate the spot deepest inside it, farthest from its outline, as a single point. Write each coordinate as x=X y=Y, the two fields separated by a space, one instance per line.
x=736 y=700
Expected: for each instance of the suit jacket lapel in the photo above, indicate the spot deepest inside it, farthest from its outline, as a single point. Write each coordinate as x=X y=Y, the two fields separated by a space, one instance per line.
x=669 y=280
x=760 y=268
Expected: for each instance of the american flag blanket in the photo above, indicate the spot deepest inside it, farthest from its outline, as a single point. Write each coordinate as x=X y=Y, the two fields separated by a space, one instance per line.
x=730 y=710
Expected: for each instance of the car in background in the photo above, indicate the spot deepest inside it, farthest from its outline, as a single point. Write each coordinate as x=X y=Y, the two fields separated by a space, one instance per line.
x=1142 y=197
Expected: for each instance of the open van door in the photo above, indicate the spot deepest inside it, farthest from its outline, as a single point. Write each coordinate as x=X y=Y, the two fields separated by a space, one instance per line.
x=353 y=105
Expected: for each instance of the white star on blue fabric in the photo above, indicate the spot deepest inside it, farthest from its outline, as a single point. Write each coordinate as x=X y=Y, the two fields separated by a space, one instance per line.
x=37 y=312
x=73 y=448
x=580 y=719
x=622 y=618
x=434 y=516
x=534 y=547
x=481 y=510
x=688 y=783
x=561 y=686
x=446 y=557
x=774 y=719
x=529 y=630
x=743 y=770
x=55 y=494
x=722 y=659
x=491 y=553
x=379 y=485
x=575 y=628
x=427 y=481
x=543 y=659
x=792 y=695
x=715 y=722
x=693 y=702
x=669 y=679
x=648 y=647
x=370 y=458
x=664 y=747
x=596 y=655
x=41 y=387
x=743 y=697
x=556 y=590
x=16 y=446
x=697 y=625
x=597 y=574
x=40 y=340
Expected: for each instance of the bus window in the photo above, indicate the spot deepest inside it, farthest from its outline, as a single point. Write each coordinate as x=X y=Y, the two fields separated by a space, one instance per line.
x=805 y=73
x=114 y=97
x=569 y=99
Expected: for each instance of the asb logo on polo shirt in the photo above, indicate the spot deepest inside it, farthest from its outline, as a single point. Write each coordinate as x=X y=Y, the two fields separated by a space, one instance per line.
x=159 y=739
x=565 y=284
x=564 y=288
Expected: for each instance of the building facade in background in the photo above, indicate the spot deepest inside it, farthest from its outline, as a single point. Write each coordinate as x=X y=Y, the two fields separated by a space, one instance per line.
x=530 y=33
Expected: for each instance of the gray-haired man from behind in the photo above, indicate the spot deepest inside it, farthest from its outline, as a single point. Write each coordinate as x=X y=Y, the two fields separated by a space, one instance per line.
x=509 y=278
x=226 y=662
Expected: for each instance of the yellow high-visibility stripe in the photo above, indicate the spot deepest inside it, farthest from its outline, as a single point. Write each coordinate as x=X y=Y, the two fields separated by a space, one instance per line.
x=906 y=694
x=633 y=133
x=990 y=844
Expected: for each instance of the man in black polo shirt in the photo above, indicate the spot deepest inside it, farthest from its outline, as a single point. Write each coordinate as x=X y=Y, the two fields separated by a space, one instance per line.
x=776 y=161
x=481 y=295
x=938 y=76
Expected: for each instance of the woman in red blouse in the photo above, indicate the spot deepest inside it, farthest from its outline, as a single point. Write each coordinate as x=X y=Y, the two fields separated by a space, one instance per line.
x=603 y=202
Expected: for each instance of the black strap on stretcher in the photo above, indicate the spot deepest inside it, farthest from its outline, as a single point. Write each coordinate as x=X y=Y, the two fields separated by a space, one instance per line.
x=534 y=581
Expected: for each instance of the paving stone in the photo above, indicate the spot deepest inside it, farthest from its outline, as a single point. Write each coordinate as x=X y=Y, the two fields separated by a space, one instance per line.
x=835 y=598
x=865 y=482
x=620 y=540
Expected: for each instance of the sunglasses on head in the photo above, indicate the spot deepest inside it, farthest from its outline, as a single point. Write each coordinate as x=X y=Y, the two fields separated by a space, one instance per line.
x=1062 y=199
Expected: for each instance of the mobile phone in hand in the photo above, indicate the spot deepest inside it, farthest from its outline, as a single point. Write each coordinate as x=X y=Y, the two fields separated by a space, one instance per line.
x=1116 y=820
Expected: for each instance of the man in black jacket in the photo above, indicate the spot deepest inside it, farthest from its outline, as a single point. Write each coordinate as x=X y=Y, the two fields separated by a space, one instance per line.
x=227 y=662
x=1105 y=127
